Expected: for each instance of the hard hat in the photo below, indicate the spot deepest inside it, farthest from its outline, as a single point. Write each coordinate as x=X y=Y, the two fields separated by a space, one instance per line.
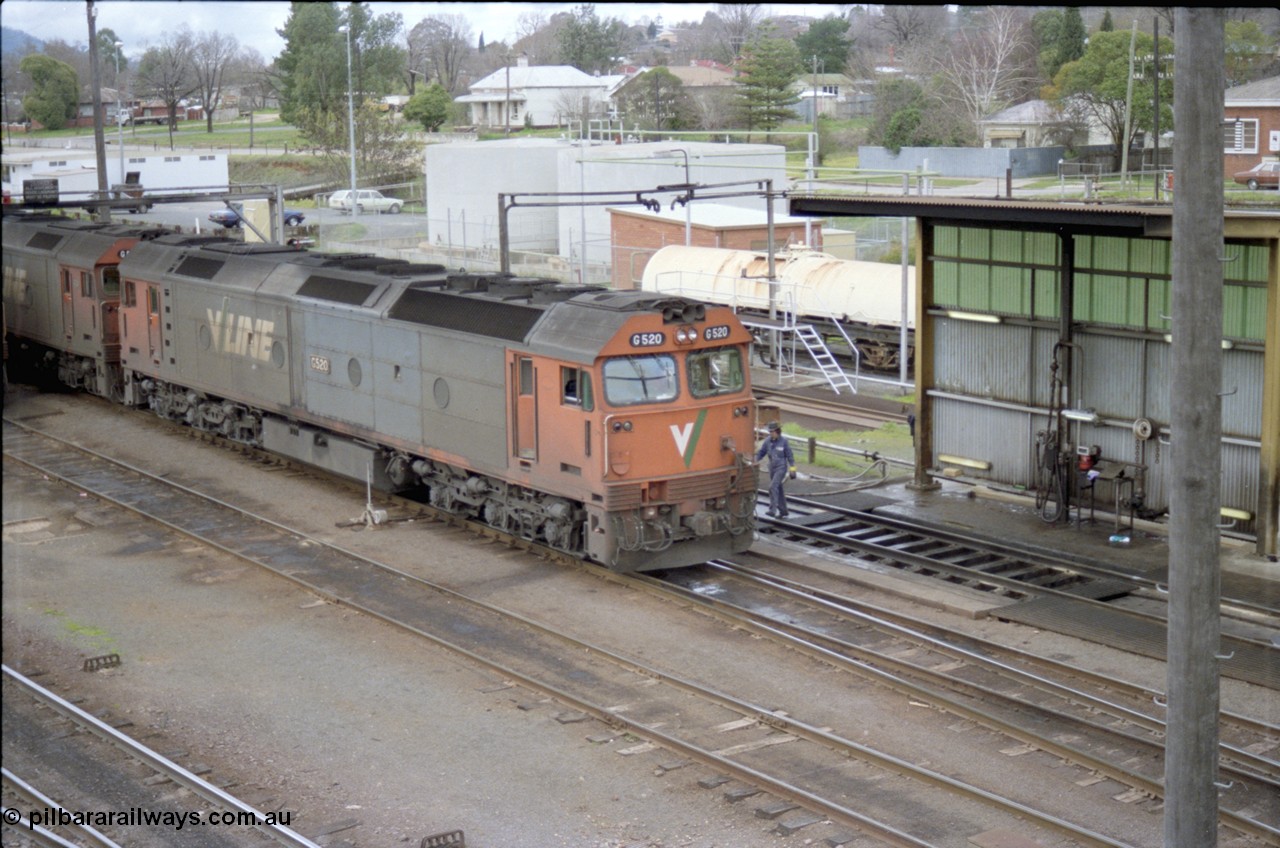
x=774 y=427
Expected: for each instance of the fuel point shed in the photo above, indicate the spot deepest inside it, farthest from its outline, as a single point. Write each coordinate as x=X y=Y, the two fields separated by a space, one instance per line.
x=1012 y=294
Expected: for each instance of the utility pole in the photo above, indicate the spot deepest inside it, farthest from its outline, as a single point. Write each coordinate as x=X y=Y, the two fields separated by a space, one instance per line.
x=99 y=140
x=816 y=62
x=1155 y=153
x=1128 y=110
x=1191 y=726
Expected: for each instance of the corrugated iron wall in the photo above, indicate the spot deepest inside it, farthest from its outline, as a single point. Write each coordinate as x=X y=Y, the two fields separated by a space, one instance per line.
x=996 y=307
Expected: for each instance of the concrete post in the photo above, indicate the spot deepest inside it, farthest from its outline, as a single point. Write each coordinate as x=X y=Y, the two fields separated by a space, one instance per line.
x=1191 y=753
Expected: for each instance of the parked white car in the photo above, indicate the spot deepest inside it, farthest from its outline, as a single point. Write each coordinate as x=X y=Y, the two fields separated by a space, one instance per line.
x=367 y=200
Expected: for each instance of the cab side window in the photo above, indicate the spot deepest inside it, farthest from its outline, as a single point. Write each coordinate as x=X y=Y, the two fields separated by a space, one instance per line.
x=575 y=388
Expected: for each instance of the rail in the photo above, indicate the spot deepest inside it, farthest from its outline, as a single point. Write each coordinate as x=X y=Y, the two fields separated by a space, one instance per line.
x=162 y=764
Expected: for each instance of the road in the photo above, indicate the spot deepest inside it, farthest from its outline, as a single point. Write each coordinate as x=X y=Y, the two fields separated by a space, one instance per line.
x=195 y=216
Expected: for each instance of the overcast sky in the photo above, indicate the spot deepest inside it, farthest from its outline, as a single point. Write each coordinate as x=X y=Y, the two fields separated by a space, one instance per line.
x=139 y=23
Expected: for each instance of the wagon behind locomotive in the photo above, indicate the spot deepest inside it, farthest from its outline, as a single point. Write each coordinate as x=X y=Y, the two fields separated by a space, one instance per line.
x=865 y=298
x=61 y=295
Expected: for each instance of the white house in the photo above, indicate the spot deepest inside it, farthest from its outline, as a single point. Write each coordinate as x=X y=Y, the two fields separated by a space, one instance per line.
x=1036 y=123
x=539 y=96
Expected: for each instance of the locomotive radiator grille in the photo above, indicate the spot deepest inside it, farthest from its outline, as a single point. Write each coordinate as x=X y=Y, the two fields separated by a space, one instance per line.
x=712 y=484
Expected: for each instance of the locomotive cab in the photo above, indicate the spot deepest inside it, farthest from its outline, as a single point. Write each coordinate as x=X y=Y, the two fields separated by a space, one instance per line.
x=655 y=433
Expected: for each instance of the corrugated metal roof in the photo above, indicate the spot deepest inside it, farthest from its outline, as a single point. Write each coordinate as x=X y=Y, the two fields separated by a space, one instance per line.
x=1031 y=112
x=540 y=76
x=1263 y=89
x=1151 y=219
x=969 y=208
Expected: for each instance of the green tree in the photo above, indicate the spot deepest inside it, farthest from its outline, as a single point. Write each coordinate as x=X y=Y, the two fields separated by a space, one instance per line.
x=1062 y=38
x=109 y=55
x=1071 y=36
x=1097 y=83
x=1249 y=51
x=899 y=118
x=55 y=91
x=768 y=68
x=828 y=40
x=429 y=107
x=657 y=100
x=590 y=44
x=1107 y=24
x=312 y=68
x=312 y=79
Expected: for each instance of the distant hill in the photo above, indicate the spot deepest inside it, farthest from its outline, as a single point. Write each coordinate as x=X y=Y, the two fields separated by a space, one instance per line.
x=17 y=41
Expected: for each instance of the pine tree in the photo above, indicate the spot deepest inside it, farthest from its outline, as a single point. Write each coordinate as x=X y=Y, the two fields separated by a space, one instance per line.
x=768 y=68
x=1072 y=36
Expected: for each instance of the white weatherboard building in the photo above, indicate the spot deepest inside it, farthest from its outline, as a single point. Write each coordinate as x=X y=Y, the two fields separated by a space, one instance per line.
x=540 y=96
x=464 y=180
x=76 y=171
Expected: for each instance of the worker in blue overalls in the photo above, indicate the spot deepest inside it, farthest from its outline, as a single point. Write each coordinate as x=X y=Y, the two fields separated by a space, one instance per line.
x=781 y=463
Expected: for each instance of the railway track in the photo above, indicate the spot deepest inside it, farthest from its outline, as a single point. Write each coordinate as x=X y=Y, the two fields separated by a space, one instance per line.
x=1036 y=587
x=751 y=744
x=858 y=415
x=111 y=788
x=1114 y=729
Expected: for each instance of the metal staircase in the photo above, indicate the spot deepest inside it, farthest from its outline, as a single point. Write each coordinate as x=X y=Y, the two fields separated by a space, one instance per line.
x=812 y=342
x=781 y=332
x=824 y=359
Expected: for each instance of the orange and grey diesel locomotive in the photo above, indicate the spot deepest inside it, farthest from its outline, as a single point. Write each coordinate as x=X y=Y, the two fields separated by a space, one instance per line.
x=614 y=425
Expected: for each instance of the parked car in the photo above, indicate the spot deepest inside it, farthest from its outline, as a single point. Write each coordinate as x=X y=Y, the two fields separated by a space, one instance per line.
x=229 y=217
x=1261 y=175
x=367 y=200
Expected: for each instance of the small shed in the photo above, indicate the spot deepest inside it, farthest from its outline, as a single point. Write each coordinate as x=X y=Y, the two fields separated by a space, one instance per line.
x=636 y=233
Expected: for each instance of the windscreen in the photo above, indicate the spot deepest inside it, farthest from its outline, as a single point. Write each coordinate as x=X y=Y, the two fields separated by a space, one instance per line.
x=632 y=380
x=717 y=371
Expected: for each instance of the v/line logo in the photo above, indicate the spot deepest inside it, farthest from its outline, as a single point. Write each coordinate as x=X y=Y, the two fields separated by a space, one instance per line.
x=687 y=437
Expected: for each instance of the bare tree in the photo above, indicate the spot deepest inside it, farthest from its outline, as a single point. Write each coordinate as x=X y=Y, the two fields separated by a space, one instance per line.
x=385 y=151
x=166 y=73
x=250 y=73
x=211 y=56
x=866 y=42
x=443 y=42
x=415 y=64
x=575 y=107
x=538 y=37
x=736 y=24
x=987 y=66
x=529 y=23
x=74 y=55
x=713 y=107
x=908 y=26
